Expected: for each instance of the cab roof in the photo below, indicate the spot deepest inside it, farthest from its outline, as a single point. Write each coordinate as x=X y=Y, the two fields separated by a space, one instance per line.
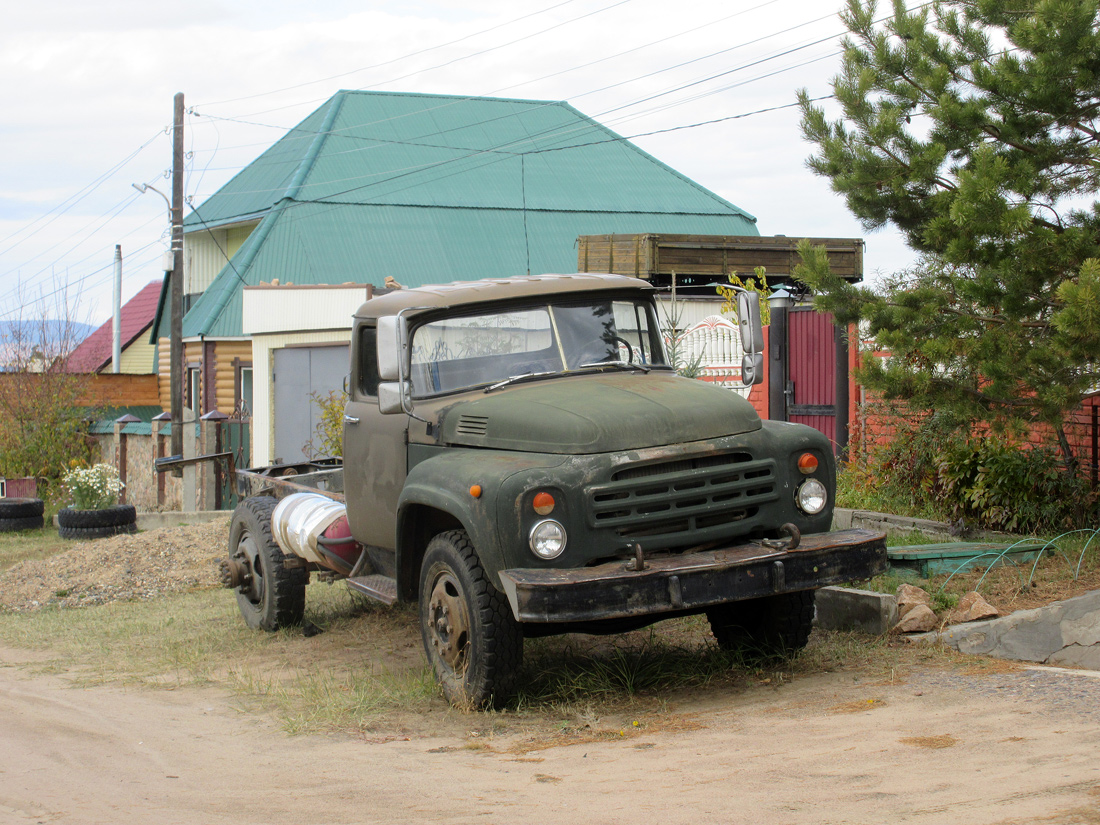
x=491 y=290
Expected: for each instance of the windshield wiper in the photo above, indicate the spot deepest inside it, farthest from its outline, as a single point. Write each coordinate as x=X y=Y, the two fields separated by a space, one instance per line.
x=522 y=377
x=619 y=365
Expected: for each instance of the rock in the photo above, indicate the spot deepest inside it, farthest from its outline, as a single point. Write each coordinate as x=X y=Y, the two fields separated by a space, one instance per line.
x=918 y=619
x=973 y=608
x=909 y=597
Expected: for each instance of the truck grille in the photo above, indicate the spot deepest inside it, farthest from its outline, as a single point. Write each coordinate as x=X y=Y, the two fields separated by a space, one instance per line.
x=682 y=501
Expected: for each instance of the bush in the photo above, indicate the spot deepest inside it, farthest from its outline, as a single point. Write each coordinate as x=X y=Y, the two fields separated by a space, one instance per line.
x=93 y=488
x=932 y=467
x=328 y=435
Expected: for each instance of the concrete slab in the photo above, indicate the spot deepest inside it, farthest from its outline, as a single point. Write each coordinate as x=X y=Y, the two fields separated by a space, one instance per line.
x=1062 y=633
x=848 y=609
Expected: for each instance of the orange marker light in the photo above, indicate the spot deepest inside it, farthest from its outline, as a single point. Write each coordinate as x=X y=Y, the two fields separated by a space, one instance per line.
x=475 y=491
x=807 y=463
x=543 y=504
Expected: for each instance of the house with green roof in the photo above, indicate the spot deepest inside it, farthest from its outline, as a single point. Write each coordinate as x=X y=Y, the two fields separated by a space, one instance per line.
x=419 y=189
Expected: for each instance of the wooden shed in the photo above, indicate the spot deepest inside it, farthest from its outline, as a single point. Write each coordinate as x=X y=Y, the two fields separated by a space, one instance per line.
x=703 y=260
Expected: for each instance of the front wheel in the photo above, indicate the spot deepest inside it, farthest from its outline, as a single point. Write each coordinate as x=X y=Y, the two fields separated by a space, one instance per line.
x=472 y=640
x=270 y=595
x=765 y=628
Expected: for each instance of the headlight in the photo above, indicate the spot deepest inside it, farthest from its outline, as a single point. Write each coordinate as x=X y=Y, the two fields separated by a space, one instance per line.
x=547 y=539
x=811 y=496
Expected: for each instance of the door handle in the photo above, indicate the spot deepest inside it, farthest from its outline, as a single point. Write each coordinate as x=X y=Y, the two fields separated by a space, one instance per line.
x=349 y=419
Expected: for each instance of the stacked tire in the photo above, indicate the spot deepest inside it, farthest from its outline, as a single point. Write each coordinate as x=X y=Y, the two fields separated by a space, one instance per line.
x=20 y=514
x=96 y=524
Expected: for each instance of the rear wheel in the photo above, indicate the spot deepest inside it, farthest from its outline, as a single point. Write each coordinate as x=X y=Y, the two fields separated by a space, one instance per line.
x=765 y=628
x=472 y=640
x=270 y=595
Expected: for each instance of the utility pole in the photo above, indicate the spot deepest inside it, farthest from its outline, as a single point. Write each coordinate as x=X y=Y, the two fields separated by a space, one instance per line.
x=116 y=314
x=176 y=330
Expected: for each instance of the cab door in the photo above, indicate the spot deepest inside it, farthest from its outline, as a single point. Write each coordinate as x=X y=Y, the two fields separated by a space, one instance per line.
x=375 y=452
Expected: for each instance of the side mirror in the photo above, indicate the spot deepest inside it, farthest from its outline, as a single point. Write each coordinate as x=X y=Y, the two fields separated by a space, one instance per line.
x=752 y=369
x=390 y=347
x=391 y=398
x=748 y=322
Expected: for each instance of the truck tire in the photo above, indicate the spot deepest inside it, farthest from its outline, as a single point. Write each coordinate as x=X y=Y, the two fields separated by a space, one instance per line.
x=89 y=533
x=119 y=514
x=765 y=628
x=472 y=640
x=270 y=595
x=12 y=525
x=15 y=508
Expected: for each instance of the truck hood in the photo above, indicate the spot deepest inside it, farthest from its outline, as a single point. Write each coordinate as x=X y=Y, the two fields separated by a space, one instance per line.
x=598 y=413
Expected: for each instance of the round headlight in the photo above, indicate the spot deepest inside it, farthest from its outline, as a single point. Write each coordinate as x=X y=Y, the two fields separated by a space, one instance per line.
x=547 y=539
x=811 y=497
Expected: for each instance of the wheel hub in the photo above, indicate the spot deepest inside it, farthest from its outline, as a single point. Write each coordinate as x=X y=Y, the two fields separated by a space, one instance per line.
x=448 y=623
x=247 y=572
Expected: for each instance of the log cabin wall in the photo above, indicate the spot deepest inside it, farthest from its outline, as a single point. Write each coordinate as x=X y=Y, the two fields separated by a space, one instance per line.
x=219 y=362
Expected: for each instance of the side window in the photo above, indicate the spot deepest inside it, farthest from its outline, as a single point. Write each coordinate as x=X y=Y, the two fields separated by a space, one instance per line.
x=367 y=380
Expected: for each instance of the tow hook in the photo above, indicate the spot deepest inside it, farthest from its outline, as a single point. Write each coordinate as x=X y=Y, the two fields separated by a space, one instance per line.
x=636 y=564
x=794 y=538
x=233 y=573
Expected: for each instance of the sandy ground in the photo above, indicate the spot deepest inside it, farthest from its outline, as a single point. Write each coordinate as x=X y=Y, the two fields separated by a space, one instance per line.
x=983 y=748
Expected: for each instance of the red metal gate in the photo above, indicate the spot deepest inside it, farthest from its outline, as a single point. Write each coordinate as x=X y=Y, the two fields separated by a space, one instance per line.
x=811 y=371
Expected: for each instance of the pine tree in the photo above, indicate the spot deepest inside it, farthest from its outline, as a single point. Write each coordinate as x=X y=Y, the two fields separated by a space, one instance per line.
x=973 y=126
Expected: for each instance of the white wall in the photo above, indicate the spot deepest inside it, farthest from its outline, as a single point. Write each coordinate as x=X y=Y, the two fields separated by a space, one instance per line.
x=282 y=316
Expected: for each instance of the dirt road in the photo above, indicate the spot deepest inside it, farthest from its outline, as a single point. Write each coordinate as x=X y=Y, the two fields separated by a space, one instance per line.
x=1013 y=747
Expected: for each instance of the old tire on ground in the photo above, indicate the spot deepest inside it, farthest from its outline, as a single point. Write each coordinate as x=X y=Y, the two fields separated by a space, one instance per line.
x=119 y=514
x=473 y=642
x=12 y=525
x=766 y=628
x=271 y=595
x=17 y=508
x=87 y=533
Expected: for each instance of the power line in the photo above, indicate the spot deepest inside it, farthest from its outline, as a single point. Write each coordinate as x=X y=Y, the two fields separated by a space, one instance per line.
x=394 y=60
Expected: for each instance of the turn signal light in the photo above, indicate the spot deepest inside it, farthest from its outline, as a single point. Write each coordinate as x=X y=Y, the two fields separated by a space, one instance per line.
x=543 y=504
x=807 y=463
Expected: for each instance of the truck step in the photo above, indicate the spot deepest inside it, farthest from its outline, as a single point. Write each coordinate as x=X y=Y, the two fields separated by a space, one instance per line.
x=382 y=588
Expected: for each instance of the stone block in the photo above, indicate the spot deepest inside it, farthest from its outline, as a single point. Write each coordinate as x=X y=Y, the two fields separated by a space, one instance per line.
x=863 y=611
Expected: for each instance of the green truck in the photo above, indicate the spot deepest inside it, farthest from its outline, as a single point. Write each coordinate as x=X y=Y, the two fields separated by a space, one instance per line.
x=522 y=460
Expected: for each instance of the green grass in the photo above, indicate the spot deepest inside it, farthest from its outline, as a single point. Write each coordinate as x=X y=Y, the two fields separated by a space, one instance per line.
x=30 y=544
x=366 y=672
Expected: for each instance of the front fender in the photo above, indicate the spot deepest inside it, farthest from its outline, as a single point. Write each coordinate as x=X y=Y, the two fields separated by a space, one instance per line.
x=446 y=480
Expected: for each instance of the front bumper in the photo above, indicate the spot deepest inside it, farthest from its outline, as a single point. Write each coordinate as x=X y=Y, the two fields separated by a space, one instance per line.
x=692 y=581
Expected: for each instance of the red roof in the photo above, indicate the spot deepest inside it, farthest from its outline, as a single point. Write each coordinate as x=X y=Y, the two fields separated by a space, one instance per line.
x=94 y=352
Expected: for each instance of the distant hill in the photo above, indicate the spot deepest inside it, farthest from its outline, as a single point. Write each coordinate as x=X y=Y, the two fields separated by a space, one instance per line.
x=33 y=331
x=19 y=340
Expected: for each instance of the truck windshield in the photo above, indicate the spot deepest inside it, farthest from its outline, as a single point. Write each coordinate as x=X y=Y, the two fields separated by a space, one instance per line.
x=466 y=351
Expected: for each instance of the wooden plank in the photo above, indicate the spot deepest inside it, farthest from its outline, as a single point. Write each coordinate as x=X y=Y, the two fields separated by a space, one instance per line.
x=656 y=257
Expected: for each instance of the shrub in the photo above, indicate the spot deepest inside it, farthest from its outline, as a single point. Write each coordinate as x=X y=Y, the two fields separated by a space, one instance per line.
x=328 y=434
x=935 y=467
x=93 y=488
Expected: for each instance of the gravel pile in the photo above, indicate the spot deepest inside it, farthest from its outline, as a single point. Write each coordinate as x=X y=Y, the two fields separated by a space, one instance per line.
x=120 y=568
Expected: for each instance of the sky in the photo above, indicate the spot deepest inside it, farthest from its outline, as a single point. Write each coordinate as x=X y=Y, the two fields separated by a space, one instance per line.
x=86 y=97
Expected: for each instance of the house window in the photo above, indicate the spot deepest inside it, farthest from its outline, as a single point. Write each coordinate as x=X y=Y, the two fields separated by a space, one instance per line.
x=242 y=389
x=244 y=398
x=193 y=392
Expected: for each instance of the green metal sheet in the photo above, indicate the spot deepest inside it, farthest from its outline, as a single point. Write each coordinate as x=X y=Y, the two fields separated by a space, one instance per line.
x=948 y=557
x=318 y=244
x=433 y=188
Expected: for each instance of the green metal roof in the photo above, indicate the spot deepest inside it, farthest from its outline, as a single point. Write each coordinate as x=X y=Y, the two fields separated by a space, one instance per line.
x=431 y=188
